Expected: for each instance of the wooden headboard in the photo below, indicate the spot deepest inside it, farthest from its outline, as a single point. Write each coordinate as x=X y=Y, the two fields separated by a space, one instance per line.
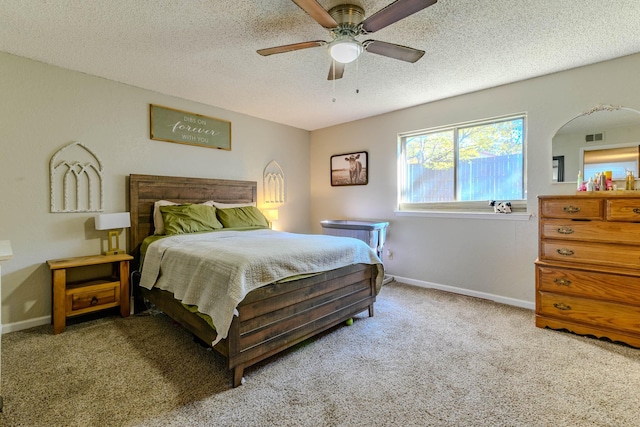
x=145 y=190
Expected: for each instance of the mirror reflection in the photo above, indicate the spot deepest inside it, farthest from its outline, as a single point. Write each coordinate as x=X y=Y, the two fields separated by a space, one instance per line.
x=605 y=138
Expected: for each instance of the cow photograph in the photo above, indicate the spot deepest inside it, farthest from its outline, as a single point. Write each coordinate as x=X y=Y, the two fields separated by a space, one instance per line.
x=349 y=169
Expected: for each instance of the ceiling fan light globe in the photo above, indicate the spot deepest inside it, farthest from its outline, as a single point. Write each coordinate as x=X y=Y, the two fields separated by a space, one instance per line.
x=345 y=51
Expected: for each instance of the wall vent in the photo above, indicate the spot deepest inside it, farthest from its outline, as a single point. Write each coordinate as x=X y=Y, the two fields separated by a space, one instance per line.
x=595 y=137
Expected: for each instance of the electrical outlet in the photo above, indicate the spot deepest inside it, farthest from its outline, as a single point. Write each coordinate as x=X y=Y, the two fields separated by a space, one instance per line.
x=389 y=254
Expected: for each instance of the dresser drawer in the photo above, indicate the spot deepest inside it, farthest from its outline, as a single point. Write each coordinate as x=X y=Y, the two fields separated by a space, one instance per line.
x=590 y=284
x=87 y=297
x=572 y=208
x=595 y=231
x=582 y=310
x=593 y=253
x=623 y=210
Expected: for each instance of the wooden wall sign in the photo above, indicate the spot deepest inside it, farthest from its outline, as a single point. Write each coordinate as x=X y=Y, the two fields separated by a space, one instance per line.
x=183 y=127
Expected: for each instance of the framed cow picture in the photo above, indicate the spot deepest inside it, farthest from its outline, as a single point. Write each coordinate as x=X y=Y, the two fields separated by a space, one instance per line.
x=350 y=169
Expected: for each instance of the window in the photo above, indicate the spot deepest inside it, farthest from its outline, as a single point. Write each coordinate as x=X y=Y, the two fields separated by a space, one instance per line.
x=463 y=166
x=616 y=158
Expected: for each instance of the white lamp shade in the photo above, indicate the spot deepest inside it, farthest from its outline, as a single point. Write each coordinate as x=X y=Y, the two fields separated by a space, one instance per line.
x=112 y=221
x=345 y=50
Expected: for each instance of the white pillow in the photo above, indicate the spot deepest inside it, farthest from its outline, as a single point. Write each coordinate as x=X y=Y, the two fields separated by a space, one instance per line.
x=232 y=205
x=158 y=222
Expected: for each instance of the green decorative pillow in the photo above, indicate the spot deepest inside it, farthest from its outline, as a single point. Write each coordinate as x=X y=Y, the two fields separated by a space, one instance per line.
x=188 y=218
x=246 y=216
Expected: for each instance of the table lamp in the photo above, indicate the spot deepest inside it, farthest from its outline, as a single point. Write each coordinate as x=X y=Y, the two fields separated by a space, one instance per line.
x=113 y=222
x=271 y=215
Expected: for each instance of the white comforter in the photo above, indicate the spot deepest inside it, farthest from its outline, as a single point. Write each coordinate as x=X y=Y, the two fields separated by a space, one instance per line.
x=215 y=271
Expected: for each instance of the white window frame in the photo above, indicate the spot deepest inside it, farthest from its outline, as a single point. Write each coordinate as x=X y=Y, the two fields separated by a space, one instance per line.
x=461 y=209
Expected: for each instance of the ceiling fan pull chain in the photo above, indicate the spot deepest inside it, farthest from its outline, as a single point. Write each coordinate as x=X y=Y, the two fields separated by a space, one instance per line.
x=333 y=80
x=357 y=75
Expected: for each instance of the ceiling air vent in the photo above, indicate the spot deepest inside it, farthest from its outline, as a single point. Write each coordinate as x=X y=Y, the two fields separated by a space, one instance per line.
x=595 y=137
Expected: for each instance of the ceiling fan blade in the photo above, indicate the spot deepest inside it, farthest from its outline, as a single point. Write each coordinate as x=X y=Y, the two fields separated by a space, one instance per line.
x=394 y=12
x=317 y=12
x=394 y=51
x=291 y=47
x=336 y=71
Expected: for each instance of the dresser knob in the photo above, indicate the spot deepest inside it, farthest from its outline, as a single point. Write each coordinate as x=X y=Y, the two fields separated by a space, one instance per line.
x=562 y=282
x=561 y=306
x=94 y=301
x=565 y=252
x=565 y=230
x=571 y=209
x=636 y=210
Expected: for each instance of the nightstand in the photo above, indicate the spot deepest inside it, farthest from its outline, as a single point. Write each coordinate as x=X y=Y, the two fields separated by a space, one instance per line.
x=86 y=296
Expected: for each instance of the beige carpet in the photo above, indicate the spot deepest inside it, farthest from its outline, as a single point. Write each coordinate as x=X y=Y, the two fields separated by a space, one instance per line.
x=427 y=358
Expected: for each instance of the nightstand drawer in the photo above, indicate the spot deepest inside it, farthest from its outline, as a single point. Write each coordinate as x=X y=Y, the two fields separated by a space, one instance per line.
x=96 y=295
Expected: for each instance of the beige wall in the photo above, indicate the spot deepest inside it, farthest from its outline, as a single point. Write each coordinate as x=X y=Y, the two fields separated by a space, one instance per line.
x=488 y=258
x=44 y=108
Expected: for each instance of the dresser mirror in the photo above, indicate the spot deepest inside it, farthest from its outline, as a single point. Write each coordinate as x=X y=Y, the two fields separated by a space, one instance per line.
x=606 y=137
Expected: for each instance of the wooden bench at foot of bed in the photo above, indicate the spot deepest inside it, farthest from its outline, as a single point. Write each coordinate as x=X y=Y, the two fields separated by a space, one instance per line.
x=278 y=316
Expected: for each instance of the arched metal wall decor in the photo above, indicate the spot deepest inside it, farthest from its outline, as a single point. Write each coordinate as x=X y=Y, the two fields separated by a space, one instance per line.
x=273 y=184
x=75 y=175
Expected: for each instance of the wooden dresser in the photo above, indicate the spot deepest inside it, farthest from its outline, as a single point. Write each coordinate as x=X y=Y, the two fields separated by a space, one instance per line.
x=588 y=267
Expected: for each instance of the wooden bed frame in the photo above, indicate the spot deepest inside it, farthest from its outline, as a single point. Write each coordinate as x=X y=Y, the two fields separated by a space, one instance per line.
x=272 y=318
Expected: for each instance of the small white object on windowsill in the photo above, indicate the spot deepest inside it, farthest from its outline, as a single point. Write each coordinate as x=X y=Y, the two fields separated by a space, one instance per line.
x=501 y=207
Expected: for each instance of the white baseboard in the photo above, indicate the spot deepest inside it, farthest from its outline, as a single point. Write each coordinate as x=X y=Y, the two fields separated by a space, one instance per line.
x=25 y=324
x=468 y=292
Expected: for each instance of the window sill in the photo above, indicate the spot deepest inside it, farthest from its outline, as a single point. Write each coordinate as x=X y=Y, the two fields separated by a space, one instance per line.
x=514 y=216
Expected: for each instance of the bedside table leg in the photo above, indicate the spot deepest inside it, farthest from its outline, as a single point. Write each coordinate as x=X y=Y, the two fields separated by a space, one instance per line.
x=124 y=288
x=59 y=311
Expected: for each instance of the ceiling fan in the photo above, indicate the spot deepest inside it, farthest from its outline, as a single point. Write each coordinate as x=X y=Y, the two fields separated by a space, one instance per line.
x=345 y=22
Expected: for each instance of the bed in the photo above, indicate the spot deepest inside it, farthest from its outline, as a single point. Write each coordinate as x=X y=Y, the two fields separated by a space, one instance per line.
x=270 y=318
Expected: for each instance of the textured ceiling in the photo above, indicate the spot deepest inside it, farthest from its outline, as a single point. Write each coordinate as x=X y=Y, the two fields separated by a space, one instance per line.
x=205 y=50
